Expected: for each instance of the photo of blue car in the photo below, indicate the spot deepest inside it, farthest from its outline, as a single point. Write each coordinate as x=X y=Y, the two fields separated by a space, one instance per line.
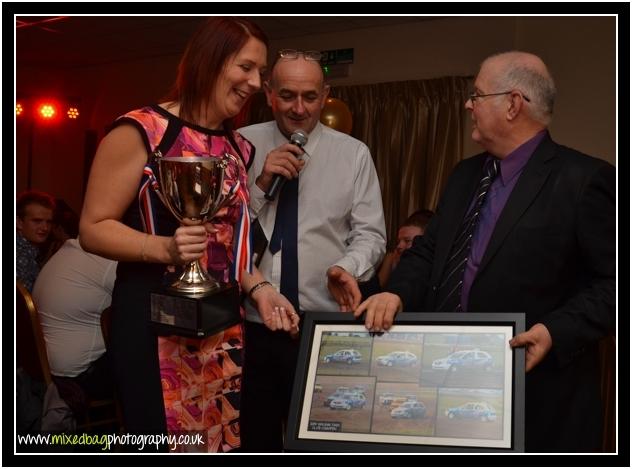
x=349 y=356
x=472 y=410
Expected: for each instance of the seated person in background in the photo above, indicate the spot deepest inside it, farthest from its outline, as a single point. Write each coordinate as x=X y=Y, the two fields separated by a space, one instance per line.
x=70 y=293
x=413 y=226
x=65 y=226
x=33 y=221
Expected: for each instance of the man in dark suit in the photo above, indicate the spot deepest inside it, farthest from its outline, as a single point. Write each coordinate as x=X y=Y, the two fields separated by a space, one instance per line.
x=540 y=239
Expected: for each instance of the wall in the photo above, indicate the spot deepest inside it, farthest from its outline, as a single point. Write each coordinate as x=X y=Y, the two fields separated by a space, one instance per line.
x=581 y=55
x=412 y=51
x=579 y=50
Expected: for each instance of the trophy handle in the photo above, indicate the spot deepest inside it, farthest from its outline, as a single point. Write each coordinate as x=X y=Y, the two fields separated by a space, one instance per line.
x=156 y=157
x=225 y=199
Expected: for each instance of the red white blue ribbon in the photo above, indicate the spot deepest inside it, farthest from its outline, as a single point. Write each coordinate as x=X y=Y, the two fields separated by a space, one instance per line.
x=144 y=201
x=242 y=250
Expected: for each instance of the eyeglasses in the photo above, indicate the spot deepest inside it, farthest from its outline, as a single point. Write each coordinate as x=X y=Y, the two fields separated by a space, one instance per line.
x=473 y=96
x=307 y=54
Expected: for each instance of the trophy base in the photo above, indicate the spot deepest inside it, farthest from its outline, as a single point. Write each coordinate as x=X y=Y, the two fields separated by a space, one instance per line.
x=208 y=287
x=194 y=315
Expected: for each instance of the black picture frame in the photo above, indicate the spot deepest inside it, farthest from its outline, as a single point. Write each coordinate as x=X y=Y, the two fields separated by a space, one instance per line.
x=435 y=382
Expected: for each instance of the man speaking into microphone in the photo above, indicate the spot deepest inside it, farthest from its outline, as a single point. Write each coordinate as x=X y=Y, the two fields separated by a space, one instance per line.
x=324 y=226
x=299 y=139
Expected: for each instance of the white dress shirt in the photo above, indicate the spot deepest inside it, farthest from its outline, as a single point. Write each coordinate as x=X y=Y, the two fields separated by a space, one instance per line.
x=70 y=292
x=340 y=215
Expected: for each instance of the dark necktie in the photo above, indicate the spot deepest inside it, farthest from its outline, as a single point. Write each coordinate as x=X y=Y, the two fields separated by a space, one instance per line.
x=284 y=237
x=449 y=291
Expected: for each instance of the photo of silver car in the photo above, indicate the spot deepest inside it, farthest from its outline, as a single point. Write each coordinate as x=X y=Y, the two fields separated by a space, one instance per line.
x=398 y=358
x=340 y=404
x=409 y=410
x=355 y=400
x=472 y=359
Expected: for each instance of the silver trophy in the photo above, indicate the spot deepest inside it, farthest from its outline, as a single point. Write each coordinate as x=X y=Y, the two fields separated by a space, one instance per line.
x=193 y=188
x=195 y=304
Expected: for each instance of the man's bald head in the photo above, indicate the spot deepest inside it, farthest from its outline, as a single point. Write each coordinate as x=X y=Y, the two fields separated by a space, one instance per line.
x=310 y=69
x=296 y=93
x=529 y=74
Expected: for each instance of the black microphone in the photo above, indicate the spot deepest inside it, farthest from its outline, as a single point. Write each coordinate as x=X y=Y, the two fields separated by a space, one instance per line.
x=299 y=139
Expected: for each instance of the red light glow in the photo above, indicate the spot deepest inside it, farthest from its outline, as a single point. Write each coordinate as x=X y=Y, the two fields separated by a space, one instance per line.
x=18 y=109
x=47 y=111
x=73 y=113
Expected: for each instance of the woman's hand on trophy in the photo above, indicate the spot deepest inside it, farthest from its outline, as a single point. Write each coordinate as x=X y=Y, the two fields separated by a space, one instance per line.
x=210 y=228
x=277 y=312
x=188 y=244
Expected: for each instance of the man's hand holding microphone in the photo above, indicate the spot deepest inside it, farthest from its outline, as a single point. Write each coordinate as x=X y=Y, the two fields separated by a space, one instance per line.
x=281 y=164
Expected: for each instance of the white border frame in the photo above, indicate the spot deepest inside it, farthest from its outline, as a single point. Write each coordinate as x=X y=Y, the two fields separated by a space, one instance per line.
x=504 y=442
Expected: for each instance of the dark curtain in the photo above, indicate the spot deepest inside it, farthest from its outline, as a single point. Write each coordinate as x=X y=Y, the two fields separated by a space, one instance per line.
x=414 y=130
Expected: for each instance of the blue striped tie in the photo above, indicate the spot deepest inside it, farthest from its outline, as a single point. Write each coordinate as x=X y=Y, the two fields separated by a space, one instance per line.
x=449 y=291
x=284 y=237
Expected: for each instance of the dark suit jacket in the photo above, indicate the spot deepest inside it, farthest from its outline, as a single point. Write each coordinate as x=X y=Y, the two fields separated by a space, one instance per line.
x=552 y=256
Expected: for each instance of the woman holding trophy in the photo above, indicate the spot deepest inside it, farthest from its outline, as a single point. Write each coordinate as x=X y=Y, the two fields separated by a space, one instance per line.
x=151 y=213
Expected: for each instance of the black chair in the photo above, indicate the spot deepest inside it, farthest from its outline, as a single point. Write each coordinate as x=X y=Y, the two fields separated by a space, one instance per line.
x=30 y=346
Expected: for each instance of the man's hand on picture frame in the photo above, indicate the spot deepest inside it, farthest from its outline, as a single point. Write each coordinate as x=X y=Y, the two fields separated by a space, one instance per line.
x=537 y=342
x=381 y=310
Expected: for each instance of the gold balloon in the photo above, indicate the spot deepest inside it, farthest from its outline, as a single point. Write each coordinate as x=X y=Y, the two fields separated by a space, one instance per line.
x=336 y=114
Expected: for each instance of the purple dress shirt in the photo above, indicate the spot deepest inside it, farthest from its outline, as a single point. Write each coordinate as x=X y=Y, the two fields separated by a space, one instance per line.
x=510 y=170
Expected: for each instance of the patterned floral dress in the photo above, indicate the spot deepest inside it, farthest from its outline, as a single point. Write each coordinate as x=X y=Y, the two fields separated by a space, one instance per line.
x=200 y=378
